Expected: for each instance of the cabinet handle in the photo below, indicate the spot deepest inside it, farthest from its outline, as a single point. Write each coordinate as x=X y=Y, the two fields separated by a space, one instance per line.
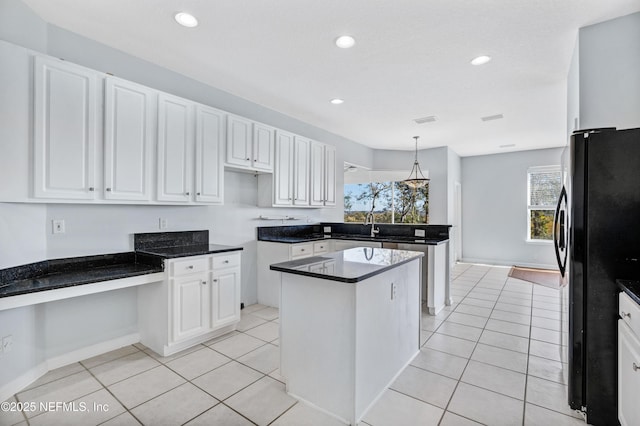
x=635 y=367
x=108 y=189
x=204 y=282
x=91 y=188
x=625 y=314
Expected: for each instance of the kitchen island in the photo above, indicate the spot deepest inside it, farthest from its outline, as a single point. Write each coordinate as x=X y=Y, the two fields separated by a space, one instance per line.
x=349 y=324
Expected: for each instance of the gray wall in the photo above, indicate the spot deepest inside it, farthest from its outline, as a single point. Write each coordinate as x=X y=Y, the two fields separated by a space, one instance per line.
x=494 y=199
x=609 y=74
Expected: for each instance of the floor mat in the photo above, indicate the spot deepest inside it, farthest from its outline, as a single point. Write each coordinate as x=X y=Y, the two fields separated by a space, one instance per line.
x=545 y=277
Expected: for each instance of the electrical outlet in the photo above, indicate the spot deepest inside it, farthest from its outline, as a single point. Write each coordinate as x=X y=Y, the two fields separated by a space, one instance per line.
x=394 y=291
x=58 y=226
x=327 y=229
x=7 y=343
x=163 y=223
x=420 y=232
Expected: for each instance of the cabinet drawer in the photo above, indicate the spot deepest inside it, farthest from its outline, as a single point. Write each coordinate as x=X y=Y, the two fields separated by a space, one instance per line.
x=629 y=311
x=320 y=247
x=301 y=250
x=226 y=260
x=188 y=266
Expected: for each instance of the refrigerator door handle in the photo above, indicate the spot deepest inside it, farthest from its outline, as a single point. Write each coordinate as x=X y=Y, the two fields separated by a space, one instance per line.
x=559 y=232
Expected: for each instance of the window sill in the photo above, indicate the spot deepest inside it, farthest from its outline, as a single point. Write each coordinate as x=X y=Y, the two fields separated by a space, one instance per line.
x=539 y=242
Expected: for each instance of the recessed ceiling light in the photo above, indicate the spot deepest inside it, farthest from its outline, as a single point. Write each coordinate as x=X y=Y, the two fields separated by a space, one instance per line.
x=345 y=42
x=337 y=101
x=422 y=120
x=186 y=19
x=480 y=60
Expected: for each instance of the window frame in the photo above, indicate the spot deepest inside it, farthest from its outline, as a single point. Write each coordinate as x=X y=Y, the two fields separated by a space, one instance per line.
x=530 y=207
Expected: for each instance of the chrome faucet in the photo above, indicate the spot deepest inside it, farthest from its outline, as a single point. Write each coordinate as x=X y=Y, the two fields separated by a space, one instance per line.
x=370 y=219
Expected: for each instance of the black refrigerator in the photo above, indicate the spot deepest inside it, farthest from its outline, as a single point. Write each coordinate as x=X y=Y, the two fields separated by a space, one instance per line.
x=597 y=240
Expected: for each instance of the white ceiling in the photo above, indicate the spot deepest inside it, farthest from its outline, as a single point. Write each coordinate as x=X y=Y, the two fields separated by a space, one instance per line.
x=411 y=60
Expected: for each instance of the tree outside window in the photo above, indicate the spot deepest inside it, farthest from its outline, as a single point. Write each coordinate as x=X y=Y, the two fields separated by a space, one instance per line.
x=390 y=202
x=544 y=186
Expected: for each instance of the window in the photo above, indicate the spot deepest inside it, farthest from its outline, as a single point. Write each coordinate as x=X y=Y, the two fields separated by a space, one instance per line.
x=544 y=186
x=391 y=202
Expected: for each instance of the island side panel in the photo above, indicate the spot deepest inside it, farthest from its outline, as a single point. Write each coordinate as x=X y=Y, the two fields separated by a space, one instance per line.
x=387 y=330
x=317 y=335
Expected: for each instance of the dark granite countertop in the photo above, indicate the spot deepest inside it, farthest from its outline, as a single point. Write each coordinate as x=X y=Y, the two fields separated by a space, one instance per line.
x=348 y=266
x=631 y=287
x=352 y=237
x=185 y=251
x=60 y=273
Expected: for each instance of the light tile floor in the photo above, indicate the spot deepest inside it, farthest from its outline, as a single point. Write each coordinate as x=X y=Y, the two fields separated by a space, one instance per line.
x=492 y=358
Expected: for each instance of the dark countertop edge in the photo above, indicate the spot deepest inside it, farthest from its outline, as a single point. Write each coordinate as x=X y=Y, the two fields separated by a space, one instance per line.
x=343 y=279
x=624 y=285
x=83 y=282
x=195 y=253
x=287 y=240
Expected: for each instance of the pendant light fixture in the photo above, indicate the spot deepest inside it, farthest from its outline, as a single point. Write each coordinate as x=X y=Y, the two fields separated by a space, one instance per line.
x=416 y=179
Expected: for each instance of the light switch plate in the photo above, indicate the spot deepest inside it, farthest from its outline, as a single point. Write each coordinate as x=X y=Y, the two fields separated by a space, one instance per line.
x=420 y=232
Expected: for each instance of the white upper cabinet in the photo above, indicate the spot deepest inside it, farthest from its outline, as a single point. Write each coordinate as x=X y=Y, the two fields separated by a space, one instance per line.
x=128 y=140
x=239 y=141
x=65 y=129
x=302 y=149
x=175 y=148
x=250 y=145
x=263 y=147
x=317 y=172
x=323 y=175
x=329 y=175
x=283 y=175
x=209 y=166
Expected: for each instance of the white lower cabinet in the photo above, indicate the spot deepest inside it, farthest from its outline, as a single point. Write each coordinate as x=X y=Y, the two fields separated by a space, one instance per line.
x=269 y=253
x=198 y=300
x=628 y=362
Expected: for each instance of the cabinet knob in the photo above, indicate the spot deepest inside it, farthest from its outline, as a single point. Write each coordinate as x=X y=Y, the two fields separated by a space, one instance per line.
x=197 y=193
x=248 y=159
x=625 y=314
x=215 y=280
x=91 y=188
x=190 y=267
x=204 y=282
x=301 y=249
x=187 y=193
x=226 y=261
x=635 y=367
x=108 y=189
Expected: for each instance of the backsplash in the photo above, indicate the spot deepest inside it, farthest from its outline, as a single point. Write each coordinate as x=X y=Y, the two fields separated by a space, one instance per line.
x=169 y=239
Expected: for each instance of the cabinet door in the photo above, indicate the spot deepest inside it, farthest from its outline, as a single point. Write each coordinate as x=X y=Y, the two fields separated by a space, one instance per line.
x=628 y=376
x=329 y=175
x=128 y=140
x=226 y=297
x=302 y=149
x=191 y=306
x=317 y=170
x=209 y=168
x=65 y=108
x=283 y=173
x=263 y=147
x=175 y=148
x=239 y=141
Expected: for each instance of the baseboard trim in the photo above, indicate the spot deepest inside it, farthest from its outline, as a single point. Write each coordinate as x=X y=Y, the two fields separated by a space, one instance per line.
x=493 y=262
x=30 y=376
x=91 y=351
